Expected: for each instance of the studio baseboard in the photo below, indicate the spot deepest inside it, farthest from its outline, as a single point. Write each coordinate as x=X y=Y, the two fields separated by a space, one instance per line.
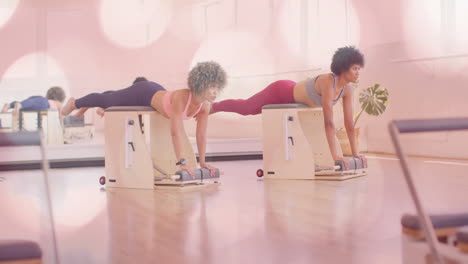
x=92 y=155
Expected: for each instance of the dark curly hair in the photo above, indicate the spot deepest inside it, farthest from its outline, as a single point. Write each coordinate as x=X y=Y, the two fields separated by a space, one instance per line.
x=140 y=79
x=56 y=93
x=205 y=75
x=344 y=58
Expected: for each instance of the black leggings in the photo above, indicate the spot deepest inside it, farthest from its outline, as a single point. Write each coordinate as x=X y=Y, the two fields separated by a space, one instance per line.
x=139 y=94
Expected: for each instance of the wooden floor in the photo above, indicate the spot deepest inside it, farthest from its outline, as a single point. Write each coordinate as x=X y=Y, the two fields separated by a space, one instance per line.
x=244 y=220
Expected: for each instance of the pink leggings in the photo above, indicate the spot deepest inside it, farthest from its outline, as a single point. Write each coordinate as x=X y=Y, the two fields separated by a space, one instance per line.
x=279 y=92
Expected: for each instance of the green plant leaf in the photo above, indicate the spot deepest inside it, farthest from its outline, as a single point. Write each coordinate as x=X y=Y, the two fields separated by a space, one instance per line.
x=374 y=100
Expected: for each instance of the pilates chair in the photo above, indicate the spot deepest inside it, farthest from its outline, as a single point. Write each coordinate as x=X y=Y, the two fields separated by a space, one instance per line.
x=47 y=121
x=139 y=152
x=430 y=238
x=8 y=122
x=295 y=146
x=23 y=251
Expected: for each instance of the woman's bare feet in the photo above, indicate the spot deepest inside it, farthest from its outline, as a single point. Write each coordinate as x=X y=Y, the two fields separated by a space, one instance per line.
x=81 y=111
x=69 y=107
x=5 y=108
x=100 y=111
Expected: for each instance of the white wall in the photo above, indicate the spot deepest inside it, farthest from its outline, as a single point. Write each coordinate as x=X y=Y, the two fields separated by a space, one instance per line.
x=414 y=48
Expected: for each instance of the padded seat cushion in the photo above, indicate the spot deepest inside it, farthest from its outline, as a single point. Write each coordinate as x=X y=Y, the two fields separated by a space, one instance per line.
x=130 y=109
x=438 y=221
x=19 y=249
x=284 y=106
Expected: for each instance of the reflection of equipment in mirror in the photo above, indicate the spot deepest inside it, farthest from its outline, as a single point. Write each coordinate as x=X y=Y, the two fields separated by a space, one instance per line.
x=295 y=146
x=46 y=121
x=7 y=121
x=139 y=152
x=75 y=130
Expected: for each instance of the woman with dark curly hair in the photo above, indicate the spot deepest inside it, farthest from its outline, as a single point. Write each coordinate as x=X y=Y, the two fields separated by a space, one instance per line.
x=205 y=80
x=324 y=91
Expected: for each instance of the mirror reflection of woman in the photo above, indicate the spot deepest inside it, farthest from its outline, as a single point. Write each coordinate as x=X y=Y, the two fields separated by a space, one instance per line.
x=52 y=101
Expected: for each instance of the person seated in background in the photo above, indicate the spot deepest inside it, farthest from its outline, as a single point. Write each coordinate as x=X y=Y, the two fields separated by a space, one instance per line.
x=53 y=100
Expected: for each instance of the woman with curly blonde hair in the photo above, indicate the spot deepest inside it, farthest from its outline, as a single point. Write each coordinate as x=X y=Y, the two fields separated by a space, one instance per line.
x=205 y=80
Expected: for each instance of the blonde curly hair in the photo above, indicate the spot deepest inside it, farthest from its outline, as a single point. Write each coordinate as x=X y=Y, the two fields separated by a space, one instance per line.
x=206 y=75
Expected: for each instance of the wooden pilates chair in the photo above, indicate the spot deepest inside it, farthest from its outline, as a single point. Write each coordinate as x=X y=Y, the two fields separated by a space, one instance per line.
x=430 y=238
x=9 y=122
x=47 y=121
x=295 y=146
x=23 y=251
x=139 y=152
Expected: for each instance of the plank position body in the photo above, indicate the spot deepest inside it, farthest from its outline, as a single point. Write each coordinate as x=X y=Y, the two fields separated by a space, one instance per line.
x=324 y=91
x=205 y=81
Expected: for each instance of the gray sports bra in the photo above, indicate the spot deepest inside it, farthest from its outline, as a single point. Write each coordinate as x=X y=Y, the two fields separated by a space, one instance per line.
x=317 y=98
